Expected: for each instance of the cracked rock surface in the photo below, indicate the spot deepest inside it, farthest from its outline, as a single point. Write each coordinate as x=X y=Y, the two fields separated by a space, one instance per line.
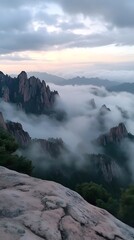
x=33 y=209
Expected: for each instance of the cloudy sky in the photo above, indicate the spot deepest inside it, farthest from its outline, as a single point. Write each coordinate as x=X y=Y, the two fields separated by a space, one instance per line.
x=68 y=37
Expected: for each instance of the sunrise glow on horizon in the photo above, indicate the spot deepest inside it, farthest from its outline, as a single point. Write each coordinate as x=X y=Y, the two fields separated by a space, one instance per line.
x=56 y=37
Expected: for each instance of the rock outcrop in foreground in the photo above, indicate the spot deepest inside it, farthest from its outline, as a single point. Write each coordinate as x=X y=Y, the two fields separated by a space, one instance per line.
x=29 y=94
x=35 y=209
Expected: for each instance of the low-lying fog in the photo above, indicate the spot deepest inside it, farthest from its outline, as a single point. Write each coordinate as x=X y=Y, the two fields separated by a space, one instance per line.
x=84 y=122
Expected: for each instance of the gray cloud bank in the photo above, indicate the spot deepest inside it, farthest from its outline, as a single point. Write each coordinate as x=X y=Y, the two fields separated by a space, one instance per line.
x=118 y=13
x=19 y=18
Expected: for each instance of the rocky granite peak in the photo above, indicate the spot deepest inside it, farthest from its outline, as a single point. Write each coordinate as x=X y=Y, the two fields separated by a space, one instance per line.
x=30 y=94
x=51 y=146
x=116 y=134
x=35 y=209
x=23 y=75
x=104 y=109
x=16 y=130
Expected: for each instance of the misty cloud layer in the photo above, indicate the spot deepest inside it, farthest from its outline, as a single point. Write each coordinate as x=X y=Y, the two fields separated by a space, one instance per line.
x=84 y=122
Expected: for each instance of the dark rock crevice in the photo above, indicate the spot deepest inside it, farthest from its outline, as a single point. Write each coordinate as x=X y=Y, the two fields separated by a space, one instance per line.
x=61 y=230
x=35 y=233
x=116 y=237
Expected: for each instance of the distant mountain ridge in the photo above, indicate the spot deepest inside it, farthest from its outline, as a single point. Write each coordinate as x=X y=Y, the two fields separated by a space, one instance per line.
x=95 y=81
x=108 y=84
x=29 y=94
x=90 y=81
x=49 y=78
x=124 y=87
x=73 y=81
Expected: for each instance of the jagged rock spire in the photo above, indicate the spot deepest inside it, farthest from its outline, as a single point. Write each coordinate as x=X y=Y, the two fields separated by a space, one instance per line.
x=30 y=94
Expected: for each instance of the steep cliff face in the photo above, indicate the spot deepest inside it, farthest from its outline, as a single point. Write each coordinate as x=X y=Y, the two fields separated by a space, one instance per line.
x=2 y=122
x=104 y=167
x=115 y=135
x=30 y=94
x=16 y=130
x=52 y=146
x=34 y=209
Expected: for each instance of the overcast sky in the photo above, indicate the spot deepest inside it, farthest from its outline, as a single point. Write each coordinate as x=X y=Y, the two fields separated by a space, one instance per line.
x=68 y=37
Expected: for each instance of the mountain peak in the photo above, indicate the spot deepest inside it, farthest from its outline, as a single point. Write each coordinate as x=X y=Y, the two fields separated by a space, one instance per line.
x=16 y=130
x=104 y=108
x=116 y=134
x=30 y=94
x=23 y=75
x=1 y=73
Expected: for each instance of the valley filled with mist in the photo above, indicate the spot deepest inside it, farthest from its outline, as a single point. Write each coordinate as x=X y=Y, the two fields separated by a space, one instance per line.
x=67 y=120
x=85 y=135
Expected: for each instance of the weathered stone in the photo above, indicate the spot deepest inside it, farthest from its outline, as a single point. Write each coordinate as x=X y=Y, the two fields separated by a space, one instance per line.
x=29 y=94
x=25 y=215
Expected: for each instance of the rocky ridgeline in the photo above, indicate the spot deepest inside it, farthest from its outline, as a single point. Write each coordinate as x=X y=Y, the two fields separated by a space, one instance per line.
x=30 y=94
x=35 y=209
x=115 y=135
x=51 y=146
x=16 y=130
